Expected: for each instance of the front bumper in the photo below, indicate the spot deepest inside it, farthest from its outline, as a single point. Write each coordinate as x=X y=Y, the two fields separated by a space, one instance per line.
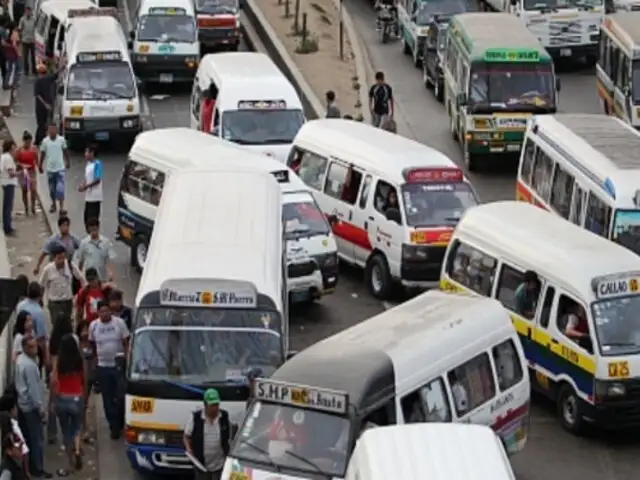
x=158 y=459
x=219 y=37
x=494 y=142
x=423 y=272
x=573 y=51
x=165 y=68
x=618 y=415
x=102 y=128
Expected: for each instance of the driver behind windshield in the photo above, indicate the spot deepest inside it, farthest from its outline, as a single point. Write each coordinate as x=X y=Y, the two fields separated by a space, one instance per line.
x=392 y=201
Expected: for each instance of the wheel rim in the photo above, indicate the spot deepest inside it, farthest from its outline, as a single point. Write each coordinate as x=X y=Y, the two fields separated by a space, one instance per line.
x=141 y=254
x=570 y=410
x=376 y=279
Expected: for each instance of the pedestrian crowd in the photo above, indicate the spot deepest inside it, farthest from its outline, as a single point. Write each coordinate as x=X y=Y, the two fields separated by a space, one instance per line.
x=57 y=369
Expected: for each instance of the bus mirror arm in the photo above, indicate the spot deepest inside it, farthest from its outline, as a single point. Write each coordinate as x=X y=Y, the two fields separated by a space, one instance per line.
x=558 y=85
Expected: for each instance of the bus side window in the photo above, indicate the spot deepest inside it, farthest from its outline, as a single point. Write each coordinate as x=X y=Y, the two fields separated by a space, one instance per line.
x=528 y=156
x=383 y=416
x=542 y=172
x=312 y=169
x=430 y=403
x=41 y=24
x=364 y=195
x=573 y=314
x=472 y=268
x=472 y=384
x=547 y=305
x=351 y=186
x=598 y=216
x=196 y=99
x=602 y=48
x=508 y=283
x=562 y=191
x=577 y=210
x=53 y=30
x=508 y=366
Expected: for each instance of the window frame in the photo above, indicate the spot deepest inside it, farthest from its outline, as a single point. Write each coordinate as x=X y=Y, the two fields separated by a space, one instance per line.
x=542 y=187
x=471 y=407
x=520 y=367
x=140 y=194
x=454 y=251
x=527 y=161
x=608 y=212
x=309 y=156
x=335 y=195
x=564 y=188
x=365 y=190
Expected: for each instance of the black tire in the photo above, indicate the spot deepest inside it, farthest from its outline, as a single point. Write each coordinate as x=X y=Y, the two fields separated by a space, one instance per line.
x=139 y=241
x=568 y=401
x=439 y=94
x=378 y=266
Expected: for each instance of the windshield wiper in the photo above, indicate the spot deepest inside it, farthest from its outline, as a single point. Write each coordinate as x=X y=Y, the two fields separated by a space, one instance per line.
x=263 y=452
x=620 y=344
x=277 y=140
x=308 y=462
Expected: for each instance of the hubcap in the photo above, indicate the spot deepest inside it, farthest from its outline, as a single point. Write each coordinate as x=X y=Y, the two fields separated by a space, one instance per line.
x=376 y=279
x=570 y=409
x=141 y=254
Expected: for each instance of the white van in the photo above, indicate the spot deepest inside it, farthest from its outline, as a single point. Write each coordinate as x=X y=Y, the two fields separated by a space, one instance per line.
x=256 y=105
x=98 y=97
x=435 y=359
x=52 y=23
x=211 y=306
x=355 y=170
x=164 y=41
x=311 y=249
x=589 y=368
x=444 y=451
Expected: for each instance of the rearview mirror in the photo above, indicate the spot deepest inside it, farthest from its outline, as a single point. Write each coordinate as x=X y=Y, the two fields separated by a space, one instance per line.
x=393 y=215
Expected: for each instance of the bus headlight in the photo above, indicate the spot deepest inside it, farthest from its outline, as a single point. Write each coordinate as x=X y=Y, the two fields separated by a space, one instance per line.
x=609 y=389
x=155 y=438
x=414 y=252
x=141 y=58
x=191 y=61
x=73 y=124
x=129 y=122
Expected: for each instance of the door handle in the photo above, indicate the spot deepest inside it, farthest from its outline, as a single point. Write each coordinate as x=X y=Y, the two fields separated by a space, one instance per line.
x=371 y=218
x=366 y=225
x=340 y=215
x=350 y=214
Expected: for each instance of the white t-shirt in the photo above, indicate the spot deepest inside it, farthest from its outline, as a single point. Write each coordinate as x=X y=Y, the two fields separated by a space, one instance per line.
x=92 y=172
x=18 y=433
x=7 y=163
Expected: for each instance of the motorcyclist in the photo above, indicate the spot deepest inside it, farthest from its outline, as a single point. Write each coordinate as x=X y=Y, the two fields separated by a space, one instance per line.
x=391 y=7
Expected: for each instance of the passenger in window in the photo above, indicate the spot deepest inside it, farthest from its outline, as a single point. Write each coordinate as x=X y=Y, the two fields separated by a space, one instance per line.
x=208 y=104
x=460 y=397
x=526 y=295
x=576 y=328
x=414 y=413
x=295 y=165
x=351 y=186
x=391 y=201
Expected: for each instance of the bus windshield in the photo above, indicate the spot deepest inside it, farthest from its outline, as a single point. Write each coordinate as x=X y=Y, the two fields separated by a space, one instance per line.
x=626 y=229
x=559 y=4
x=509 y=86
x=436 y=204
x=302 y=216
x=617 y=325
x=100 y=81
x=197 y=345
x=167 y=28
x=301 y=439
x=261 y=127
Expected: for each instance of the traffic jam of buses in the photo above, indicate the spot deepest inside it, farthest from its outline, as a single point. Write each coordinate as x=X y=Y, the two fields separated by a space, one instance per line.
x=491 y=316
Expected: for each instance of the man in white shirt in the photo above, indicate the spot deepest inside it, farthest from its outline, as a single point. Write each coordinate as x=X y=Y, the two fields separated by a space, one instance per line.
x=9 y=181
x=57 y=281
x=54 y=158
x=92 y=185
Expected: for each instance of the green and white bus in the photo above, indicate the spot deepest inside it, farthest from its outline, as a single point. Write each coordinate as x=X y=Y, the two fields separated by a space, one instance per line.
x=496 y=75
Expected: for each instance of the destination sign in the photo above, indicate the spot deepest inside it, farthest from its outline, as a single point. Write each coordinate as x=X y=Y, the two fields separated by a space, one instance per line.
x=618 y=285
x=99 y=57
x=511 y=55
x=92 y=12
x=262 y=105
x=440 y=175
x=281 y=176
x=167 y=11
x=203 y=293
x=302 y=396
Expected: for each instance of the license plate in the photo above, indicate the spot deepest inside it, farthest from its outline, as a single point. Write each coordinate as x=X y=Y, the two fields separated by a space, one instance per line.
x=166 y=78
x=513 y=148
x=102 y=136
x=496 y=149
x=565 y=52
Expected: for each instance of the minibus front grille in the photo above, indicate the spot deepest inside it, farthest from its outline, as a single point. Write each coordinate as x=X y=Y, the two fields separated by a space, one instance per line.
x=304 y=269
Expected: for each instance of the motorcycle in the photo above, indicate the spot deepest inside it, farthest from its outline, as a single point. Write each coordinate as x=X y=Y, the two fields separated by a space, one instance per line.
x=385 y=21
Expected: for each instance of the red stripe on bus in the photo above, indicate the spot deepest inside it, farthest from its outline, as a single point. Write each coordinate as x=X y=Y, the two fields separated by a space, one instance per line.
x=352 y=234
x=510 y=416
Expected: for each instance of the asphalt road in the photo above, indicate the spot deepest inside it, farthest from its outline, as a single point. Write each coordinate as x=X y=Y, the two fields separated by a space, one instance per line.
x=551 y=453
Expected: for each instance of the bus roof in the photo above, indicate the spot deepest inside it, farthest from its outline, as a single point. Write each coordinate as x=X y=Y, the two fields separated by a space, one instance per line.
x=238 y=65
x=495 y=36
x=376 y=150
x=602 y=147
x=219 y=223
x=423 y=450
x=369 y=359
x=624 y=29
x=181 y=147
x=187 y=5
x=542 y=241
x=96 y=34
x=60 y=8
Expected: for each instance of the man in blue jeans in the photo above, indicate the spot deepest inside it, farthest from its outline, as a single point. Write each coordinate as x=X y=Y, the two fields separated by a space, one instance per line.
x=54 y=159
x=109 y=337
x=9 y=180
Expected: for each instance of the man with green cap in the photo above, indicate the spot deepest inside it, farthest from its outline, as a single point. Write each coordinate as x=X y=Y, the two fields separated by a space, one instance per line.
x=207 y=435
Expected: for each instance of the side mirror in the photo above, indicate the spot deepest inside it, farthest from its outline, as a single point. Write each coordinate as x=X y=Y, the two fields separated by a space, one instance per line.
x=461 y=100
x=558 y=85
x=393 y=215
x=332 y=219
x=132 y=35
x=291 y=354
x=130 y=45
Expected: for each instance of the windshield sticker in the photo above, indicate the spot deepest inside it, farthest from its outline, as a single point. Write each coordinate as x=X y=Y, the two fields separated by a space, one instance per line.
x=222 y=294
x=99 y=57
x=167 y=11
x=616 y=285
x=308 y=397
x=439 y=237
x=262 y=105
x=511 y=55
